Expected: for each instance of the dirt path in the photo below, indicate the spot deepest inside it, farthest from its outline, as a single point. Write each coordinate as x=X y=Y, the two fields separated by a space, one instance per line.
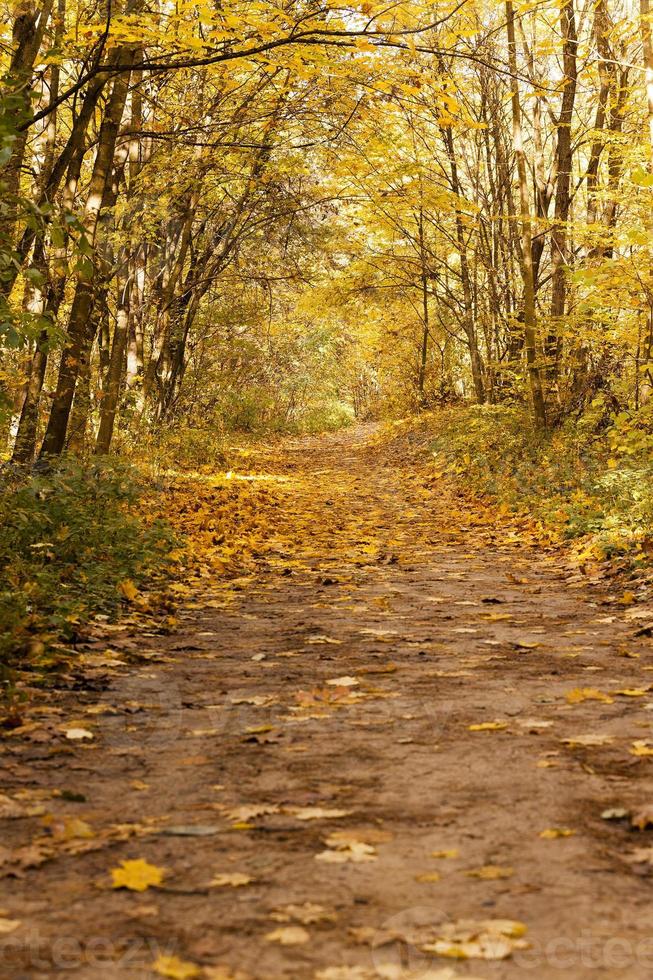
x=221 y=751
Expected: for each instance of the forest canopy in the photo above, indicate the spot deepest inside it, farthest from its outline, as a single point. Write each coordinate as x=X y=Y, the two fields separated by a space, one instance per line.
x=262 y=215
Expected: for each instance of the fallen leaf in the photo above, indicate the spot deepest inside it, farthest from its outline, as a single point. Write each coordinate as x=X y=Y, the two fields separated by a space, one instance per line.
x=8 y=925
x=315 y=813
x=128 y=590
x=307 y=914
x=586 y=741
x=580 y=694
x=344 y=682
x=288 y=935
x=491 y=939
x=68 y=828
x=137 y=875
x=642 y=749
x=234 y=879
x=355 y=853
x=490 y=872
x=643 y=818
x=552 y=833
x=78 y=734
x=617 y=813
x=175 y=969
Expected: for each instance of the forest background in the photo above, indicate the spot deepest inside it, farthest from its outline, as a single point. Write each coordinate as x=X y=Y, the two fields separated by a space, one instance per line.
x=226 y=222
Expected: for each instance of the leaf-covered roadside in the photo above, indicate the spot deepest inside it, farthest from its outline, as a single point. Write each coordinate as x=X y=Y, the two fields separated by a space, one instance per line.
x=589 y=483
x=69 y=538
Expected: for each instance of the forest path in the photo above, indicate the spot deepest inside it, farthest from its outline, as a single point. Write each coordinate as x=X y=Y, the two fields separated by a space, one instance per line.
x=345 y=677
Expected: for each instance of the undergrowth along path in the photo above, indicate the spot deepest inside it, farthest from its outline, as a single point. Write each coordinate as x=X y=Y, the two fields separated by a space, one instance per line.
x=402 y=735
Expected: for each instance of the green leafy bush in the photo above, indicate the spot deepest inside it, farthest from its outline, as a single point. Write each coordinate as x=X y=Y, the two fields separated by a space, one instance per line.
x=68 y=537
x=591 y=477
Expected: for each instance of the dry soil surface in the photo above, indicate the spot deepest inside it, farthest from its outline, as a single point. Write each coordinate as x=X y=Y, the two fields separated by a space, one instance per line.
x=313 y=741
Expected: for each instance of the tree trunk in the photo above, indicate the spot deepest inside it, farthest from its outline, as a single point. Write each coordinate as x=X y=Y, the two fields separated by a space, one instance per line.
x=563 y=165
x=28 y=29
x=111 y=391
x=468 y=324
x=529 y=313
x=79 y=343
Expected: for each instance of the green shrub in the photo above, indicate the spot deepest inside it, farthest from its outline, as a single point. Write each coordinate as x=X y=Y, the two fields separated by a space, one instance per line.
x=68 y=537
x=593 y=476
x=183 y=447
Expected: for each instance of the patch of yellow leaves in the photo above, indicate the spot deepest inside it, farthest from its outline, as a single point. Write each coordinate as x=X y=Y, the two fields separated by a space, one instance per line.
x=491 y=939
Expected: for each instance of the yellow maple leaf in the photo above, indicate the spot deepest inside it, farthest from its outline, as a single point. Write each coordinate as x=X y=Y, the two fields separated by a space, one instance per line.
x=175 y=969
x=579 y=694
x=137 y=875
x=128 y=589
x=288 y=935
x=490 y=872
x=235 y=879
x=488 y=726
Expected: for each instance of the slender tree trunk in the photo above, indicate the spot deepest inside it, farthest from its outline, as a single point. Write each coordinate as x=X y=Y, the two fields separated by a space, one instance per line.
x=25 y=445
x=421 y=375
x=468 y=324
x=647 y=51
x=111 y=392
x=529 y=313
x=563 y=165
x=29 y=25
x=79 y=342
x=135 y=358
